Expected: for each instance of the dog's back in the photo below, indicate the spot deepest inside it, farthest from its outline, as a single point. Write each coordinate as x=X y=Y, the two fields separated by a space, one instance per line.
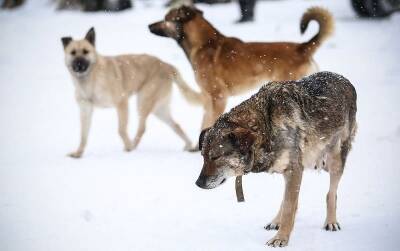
x=321 y=109
x=132 y=70
x=323 y=101
x=330 y=101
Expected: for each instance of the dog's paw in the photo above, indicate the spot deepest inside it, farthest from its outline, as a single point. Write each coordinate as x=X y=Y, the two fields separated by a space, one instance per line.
x=75 y=155
x=278 y=241
x=332 y=226
x=193 y=149
x=135 y=144
x=129 y=148
x=272 y=226
x=188 y=148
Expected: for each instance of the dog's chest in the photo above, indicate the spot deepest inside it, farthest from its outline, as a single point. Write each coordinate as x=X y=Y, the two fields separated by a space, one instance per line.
x=313 y=155
x=98 y=95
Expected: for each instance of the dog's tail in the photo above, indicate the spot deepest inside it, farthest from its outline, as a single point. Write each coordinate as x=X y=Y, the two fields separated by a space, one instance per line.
x=193 y=97
x=326 y=27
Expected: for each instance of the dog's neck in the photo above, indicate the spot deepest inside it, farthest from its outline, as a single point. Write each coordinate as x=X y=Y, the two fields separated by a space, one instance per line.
x=249 y=116
x=84 y=84
x=199 y=34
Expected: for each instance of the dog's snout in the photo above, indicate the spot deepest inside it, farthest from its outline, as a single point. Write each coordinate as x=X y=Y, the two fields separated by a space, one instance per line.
x=80 y=65
x=157 y=28
x=201 y=181
x=153 y=26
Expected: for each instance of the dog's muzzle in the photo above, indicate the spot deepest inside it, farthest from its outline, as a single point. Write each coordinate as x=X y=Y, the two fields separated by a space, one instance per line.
x=80 y=65
x=158 y=29
x=204 y=183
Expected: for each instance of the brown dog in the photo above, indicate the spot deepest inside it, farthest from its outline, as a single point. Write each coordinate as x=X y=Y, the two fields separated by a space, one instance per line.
x=226 y=66
x=102 y=81
x=284 y=128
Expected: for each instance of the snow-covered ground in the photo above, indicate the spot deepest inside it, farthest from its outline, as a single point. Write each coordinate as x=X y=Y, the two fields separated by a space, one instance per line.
x=147 y=199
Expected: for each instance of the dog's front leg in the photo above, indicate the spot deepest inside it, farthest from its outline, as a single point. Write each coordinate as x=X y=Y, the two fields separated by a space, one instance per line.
x=293 y=176
x=213 y=107
x=86 y=111
x=123 y=113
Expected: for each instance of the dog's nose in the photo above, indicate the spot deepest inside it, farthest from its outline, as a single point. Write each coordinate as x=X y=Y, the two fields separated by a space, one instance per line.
x=154 y=26
x=157 y=29
x=201 y=182
x=80 y=65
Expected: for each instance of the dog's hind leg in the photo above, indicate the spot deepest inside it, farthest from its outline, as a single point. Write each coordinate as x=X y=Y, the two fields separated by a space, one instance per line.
x=123 y=114
x=331 y=223
x=335 y=173
x=145 y=104
x=141 y=129
x=163 y=113
x=335 y=162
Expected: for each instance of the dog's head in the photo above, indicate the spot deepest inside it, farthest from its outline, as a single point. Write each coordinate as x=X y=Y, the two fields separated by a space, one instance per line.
x=174 y=22
x=227 y=152
x=80 y=55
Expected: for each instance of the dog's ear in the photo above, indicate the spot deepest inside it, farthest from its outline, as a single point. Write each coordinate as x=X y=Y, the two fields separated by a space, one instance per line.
x=65 y=41
x=242 y=138
x=201 y=137
x=91 y=36
x=186 y=13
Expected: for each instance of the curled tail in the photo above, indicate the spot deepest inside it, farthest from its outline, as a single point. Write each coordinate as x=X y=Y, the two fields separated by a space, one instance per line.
x=326 y=27
x=193 y=97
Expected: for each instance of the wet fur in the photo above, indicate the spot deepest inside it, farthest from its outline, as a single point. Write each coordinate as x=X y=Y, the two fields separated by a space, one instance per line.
x=284 y=128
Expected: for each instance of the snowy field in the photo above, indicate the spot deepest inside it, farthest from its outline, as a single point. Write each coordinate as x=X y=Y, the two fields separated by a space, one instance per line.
x=147 y=199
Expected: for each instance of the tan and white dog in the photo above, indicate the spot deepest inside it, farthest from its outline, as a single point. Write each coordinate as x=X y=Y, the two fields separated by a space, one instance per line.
x=109 y=82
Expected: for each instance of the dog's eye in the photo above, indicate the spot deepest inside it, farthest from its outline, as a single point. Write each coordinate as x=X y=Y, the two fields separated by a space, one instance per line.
x=85 y=51
x=73 y=53
x=214 y=156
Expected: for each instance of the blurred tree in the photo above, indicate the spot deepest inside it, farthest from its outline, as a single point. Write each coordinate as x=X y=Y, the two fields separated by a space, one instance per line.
x=68 y=4
x=95 y=5
x=9 y=4
x=178 y=3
